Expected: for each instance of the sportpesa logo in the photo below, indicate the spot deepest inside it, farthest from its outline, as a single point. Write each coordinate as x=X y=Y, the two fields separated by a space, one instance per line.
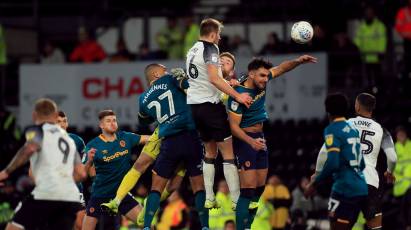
x=115 y=155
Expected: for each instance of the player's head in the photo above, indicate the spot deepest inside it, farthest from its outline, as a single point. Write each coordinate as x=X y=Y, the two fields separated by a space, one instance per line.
x=62 y=120
x=227 y=61
x=45 y=110
x=154 y=71
x=108 y=121
x=258 y=71
x=336 y=105
x=365 y=103
x=210 y=30
x=229 y=225
x=401 y=134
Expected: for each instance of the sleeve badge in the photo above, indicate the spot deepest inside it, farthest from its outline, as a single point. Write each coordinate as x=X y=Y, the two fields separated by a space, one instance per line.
x=234 y=105
x=329 y=139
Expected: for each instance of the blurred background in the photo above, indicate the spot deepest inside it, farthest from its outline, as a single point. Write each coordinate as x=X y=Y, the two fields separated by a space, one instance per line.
x=90 y=55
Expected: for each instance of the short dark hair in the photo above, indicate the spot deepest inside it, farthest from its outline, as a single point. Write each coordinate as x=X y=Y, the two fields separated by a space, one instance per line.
x=336 y=104
x=150 y=67
x=229 y=55
x=400 y=128
x=257 y=63
x=45 y=107
x=209 y=25
x=61 y=114
x=105 y=113
x=367 y=101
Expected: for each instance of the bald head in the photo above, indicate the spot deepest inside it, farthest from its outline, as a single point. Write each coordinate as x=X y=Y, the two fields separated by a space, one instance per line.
x=154 y=71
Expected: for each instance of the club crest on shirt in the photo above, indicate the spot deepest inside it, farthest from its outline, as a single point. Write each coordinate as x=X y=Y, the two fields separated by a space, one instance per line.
x=122 y=143
x=30 y=135
x=329 y=139
x=234 y=105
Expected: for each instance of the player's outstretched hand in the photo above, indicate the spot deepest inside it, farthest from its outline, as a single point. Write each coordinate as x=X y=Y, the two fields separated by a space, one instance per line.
x=90 y=154
x=3 y=175
x=306 y=59
x=245 y=99
x=389 y=177
x=179 y=73
x=258 y=144
x=309 y=190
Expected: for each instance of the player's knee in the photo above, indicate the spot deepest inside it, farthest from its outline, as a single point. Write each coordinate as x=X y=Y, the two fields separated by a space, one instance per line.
x=142 y=163
x=247 y=192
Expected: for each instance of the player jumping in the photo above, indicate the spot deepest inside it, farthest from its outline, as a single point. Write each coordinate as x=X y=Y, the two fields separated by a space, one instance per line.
x=247 y=127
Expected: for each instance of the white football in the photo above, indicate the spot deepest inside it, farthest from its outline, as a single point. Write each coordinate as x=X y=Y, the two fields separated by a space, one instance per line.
x=302 y=32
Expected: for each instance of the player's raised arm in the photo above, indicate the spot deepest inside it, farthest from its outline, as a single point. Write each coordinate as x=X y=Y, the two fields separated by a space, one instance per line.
x=34 y=137
x=291 y=64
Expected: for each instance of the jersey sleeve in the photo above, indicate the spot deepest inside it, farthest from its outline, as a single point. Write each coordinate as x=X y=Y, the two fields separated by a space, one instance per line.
x=181 y=83
x=387 y=144
x=84 y=159
x=133 y=138
x=321 y=158
x=34 y=134
x=234 y=106
x=210 y=54
x=332 y=145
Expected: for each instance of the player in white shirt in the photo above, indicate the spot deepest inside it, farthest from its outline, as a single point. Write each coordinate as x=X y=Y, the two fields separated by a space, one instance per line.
x=209 y=113
x=373 y=138
x=55 y=165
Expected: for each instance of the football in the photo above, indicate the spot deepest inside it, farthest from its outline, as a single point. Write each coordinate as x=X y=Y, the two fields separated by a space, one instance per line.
x=302 y=32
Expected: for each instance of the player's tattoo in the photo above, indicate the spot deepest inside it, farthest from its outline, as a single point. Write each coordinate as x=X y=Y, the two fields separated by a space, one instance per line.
x=21 y=157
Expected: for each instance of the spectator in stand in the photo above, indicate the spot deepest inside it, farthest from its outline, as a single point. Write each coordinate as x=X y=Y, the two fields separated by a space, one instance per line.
x=279 y=195
x=241 y=47
x=175 y=215
x=219 y=216
x=344 y=62
x=403 y=27
x=371 y=40
x=3 y=51
x=52 y=54
x=402 y=173
x=122 y=54
x=170 y=39
x=229 y=225
x=273 y=45
x=191 y=35
x=144 y=53
x=87 y=50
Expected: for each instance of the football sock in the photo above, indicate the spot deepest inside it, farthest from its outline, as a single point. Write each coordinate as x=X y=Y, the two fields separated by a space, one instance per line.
x=152 y=205
x=128 y=182
x=208 y=173
x=231 y=176
x=258 y=192
x=164 y=195
x=199 y=199
x=242 y=214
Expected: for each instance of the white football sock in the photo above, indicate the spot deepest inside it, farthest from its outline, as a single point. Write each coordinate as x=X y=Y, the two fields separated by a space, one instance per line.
x=233 y=181
x=209 y=173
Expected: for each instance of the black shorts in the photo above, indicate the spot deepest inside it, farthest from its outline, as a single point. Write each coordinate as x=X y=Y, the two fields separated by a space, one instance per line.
x=211 y=121
x=34 y=214
x=345 y=209
x=184 y=147
x=247 y=157
x=94 y=209
x=373 y=203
